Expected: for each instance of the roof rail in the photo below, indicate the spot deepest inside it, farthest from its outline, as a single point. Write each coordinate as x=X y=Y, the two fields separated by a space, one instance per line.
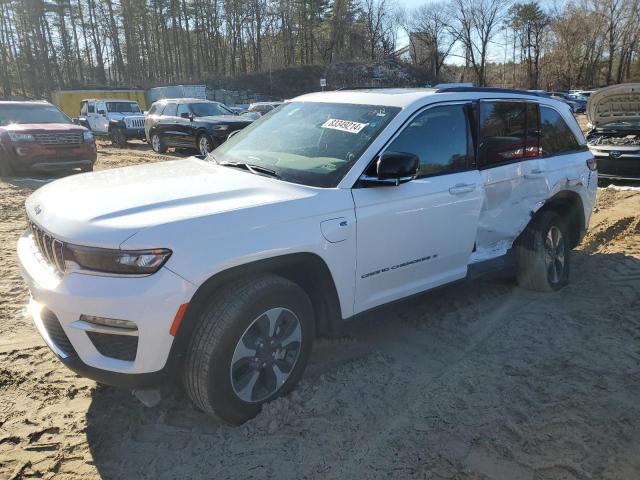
x=488 y=90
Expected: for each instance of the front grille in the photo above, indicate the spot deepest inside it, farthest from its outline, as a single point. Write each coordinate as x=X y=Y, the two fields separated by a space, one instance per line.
x=56 y=333
x=122 y=347
x=135 y=122
x=50 y=248
x=58 y=138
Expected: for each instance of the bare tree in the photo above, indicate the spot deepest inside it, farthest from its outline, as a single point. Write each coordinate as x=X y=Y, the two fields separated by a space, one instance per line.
x=475 y=23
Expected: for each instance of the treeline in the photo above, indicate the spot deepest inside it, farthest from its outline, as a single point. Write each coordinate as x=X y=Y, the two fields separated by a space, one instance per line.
x=69 y=43
x=51 y=44
x=583 y=43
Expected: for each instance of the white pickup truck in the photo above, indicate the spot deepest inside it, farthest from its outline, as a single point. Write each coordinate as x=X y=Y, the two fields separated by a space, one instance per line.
x=223 y=271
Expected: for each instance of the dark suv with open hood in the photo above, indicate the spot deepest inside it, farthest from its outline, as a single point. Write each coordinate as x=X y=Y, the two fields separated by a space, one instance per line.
x=190 y=123
x=37 y=136
x=614 y=117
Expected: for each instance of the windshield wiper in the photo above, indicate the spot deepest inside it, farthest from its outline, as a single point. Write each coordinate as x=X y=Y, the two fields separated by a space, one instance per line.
x=255 y=169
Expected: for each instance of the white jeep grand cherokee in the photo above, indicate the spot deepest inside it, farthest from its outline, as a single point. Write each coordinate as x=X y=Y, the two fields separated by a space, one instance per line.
x=224 y=270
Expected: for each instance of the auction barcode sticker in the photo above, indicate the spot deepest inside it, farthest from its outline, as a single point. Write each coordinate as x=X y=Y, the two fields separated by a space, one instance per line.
x=344 y=125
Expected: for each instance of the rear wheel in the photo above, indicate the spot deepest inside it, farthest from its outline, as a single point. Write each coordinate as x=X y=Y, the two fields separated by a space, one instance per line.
x=157 y=144
x=118 y=137
x=251 y=345
x=543 y=254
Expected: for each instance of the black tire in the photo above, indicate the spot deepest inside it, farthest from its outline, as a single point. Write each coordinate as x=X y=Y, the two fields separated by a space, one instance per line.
x=230 y=315
x=541 y=265
x=87 y=169
x=118 y=137
x=6 y=170
x=210 y=142
x=157 y=144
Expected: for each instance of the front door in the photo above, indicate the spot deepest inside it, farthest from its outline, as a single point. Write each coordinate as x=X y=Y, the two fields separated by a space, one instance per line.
x=420 y=234
x=185 y=126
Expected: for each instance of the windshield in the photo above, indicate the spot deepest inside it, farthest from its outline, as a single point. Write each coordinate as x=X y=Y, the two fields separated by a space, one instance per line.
x=310 y=143
x=209 y=109
x=25 y=113
x=123 y=107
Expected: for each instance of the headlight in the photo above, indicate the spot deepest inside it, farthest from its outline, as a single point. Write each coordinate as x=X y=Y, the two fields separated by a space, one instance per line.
x=20 y=137
x=221 y=127
x=122 y=262
x=87 y=136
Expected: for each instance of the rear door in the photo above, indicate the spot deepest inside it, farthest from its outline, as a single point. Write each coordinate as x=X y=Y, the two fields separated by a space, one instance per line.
x=92 y=116
x=512 y=174
x=420 y=234
x=168 y=124
x=185 y=126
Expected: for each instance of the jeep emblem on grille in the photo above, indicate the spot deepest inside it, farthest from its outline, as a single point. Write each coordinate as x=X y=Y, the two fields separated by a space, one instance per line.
x=615 y=154
x=37 y=209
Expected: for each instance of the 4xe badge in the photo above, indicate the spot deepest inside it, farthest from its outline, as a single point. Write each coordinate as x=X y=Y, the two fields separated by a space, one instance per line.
x=615 y=153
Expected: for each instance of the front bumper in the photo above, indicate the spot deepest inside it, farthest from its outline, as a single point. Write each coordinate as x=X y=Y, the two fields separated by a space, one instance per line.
x=43 y=158
x=622 y=168
x=135 y=134
x=150 y=302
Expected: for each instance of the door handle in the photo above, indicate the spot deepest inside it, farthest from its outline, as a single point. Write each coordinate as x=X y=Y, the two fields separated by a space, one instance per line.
x=534 y=174
x=461 y=188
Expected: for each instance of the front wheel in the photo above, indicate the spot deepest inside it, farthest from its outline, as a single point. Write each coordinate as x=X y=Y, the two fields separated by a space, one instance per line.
x=6 y=170
x=205 y=144
x=543 y=254
x=251 y=345
x=118 y=138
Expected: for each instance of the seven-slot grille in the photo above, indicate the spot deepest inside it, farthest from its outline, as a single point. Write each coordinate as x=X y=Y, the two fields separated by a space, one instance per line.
x=50 y=248
x=135 y=122
x=58 y=138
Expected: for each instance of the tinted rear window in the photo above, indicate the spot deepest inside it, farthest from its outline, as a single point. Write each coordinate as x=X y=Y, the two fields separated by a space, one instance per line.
x=170 y=110
x=555 y=134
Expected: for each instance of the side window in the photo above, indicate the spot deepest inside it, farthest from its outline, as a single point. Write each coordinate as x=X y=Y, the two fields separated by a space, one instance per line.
x=83 y=108
x=555 y=134
x=183 y=108
x=503 y=132
x=170 y=110
x=439 y=137
x=153 y=109
x=91 y=107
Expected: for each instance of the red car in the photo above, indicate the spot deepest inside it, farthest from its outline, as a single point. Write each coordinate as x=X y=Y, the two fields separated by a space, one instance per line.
x=37 y=136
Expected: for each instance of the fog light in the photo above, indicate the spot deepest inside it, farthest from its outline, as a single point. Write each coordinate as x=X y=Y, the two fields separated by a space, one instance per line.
x=109 y=322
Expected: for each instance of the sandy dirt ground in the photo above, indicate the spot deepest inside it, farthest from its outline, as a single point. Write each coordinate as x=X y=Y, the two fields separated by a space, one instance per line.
x=480 y=380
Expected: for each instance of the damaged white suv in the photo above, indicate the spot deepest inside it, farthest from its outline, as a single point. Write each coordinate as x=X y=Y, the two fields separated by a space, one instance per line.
x=223 y=271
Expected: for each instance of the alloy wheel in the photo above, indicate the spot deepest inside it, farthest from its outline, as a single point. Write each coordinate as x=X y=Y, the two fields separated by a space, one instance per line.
x=554 y=254
x=266 y=355
x=155 y=142
x=204 y=146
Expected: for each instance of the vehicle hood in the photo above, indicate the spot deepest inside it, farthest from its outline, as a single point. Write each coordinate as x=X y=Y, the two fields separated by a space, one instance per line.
x=226 y=119
x=105 y=208
x=122 y=116
x=618 y=103
x=42 y=127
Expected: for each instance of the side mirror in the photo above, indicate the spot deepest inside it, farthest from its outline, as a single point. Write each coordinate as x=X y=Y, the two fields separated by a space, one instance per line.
x=76 y=120
x=186 y=115
x=394 y=168
x=102 y=112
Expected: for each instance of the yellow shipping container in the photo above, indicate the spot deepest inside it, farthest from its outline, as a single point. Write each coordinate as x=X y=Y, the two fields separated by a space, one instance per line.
x=69 y=100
